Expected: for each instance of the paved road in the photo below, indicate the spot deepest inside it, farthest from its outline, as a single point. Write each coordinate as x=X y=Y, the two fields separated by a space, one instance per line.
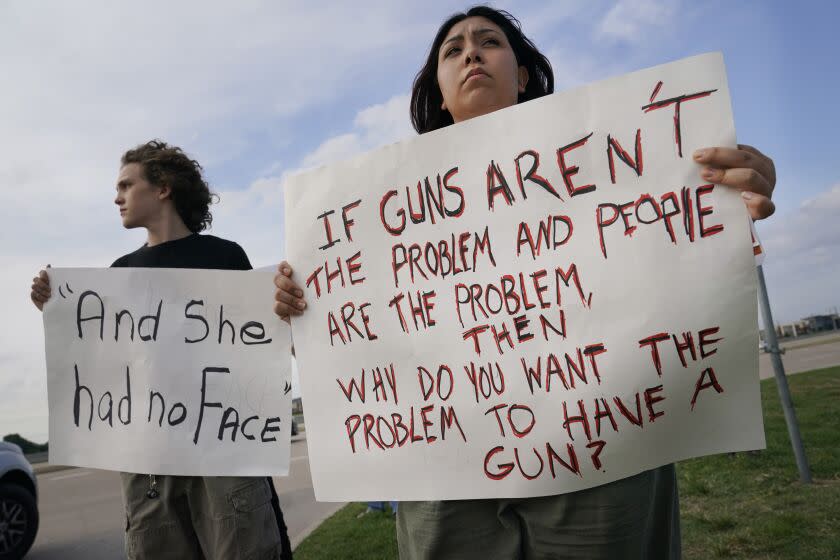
x=797 y=360
x=82 y=513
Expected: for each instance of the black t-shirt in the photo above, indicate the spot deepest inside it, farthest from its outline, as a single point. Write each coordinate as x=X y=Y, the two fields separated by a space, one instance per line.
x=193 y=251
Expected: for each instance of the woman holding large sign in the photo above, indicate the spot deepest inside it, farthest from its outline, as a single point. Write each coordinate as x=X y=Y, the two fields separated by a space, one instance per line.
x=480 y=62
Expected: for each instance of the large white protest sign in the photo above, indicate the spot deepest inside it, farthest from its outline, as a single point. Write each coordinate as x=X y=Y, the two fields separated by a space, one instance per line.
x=165 y=371
x=535 y=301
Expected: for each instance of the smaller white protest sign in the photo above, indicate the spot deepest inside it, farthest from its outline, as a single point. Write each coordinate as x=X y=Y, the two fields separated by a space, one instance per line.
x=168 y=371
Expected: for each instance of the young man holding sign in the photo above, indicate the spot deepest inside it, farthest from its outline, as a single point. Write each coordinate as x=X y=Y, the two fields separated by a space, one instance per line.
x=481 y=62
x=161 y=189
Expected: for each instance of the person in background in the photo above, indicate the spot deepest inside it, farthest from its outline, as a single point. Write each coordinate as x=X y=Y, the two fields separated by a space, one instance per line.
x=379 y=506
x=161 y=189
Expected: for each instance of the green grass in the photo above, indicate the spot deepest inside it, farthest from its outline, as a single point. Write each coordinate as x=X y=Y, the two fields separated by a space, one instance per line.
x=748 y=506
x=351 y=534
x=753 y=505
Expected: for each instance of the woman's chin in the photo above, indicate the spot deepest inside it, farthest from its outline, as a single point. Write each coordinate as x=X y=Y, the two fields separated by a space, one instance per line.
x=481 y=106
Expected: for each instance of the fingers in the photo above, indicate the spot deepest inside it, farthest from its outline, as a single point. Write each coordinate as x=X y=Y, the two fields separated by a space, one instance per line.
x=38 y=298
x=745 y=157
x=741 y=178
x=287 y=286
x=284 y=269
x=41 y=285
x=759 y=206
x=283 y=277
x=283 y=296
x=41 y=291
x=40 y=294
x=735 y=157
x=285 y=311
x=288 y=296
x=754 y=151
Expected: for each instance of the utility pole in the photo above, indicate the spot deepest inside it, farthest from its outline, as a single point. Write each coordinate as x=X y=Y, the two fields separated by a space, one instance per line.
x=781 y=382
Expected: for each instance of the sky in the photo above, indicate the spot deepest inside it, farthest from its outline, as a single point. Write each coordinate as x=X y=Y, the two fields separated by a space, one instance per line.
x=257 y=91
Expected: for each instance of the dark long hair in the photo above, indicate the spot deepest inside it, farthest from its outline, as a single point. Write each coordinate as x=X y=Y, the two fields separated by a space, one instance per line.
x=165 y=165
x=426 y=98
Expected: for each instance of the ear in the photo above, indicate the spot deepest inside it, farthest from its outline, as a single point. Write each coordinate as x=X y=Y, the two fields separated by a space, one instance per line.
x=522 y=78
x=165 y=192
x=443 y=106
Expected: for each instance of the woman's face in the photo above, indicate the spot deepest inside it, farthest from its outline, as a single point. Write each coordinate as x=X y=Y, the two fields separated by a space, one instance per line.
x=477 y=70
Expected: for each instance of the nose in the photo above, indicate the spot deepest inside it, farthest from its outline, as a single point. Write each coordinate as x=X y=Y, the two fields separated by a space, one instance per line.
x=472 y=51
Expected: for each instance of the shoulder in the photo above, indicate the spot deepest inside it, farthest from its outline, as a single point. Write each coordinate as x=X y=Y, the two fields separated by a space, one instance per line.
x=219 y=244
x=127 y=260
x=212 y=240
x=236 y=258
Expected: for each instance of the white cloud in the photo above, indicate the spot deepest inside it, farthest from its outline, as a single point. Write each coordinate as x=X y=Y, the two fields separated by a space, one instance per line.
x=573 y=69
x=803 y=257
x=385 y=123
x=826 y=203
x=539 y=19
x=373 y=127
x=333 y=149
x=253 y=216
x=630 y=20
x=810 y=231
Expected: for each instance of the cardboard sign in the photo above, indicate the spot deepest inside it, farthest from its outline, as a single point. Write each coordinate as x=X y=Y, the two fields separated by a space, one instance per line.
x=531 y=302
x=164 y=371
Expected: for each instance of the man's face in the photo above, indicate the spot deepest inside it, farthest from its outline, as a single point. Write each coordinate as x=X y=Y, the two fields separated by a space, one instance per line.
x=139 y=201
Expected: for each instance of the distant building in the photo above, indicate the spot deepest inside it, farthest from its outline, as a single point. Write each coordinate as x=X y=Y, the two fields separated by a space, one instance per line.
x=812 y=324
x=792 y=329
x=817 y=323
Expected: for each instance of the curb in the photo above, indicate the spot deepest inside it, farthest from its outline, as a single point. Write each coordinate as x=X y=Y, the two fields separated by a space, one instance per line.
x=44 y=468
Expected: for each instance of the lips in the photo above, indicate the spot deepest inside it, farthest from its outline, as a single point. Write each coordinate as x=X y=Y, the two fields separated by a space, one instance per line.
x=475 y=72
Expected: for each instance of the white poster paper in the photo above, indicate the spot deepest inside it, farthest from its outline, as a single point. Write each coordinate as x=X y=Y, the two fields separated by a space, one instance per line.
x=168 y=371
x=536 y=301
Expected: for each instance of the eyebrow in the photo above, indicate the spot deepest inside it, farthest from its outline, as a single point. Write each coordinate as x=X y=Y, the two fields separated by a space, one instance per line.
x=460 y=36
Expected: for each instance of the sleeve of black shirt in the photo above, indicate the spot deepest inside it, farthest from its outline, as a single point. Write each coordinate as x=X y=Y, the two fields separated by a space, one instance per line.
x=239 y=259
